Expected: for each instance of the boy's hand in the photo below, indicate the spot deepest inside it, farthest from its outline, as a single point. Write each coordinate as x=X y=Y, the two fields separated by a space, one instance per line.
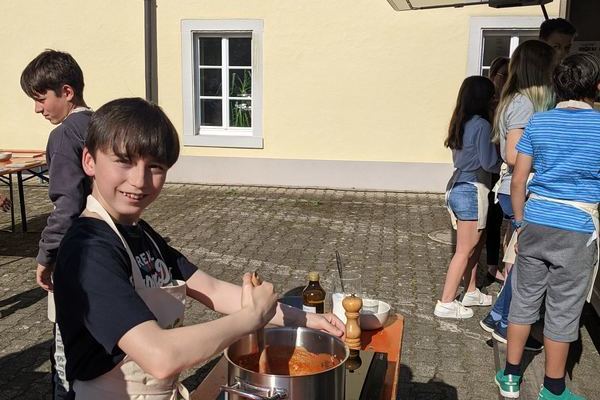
x=261 y=301
x=43 y=277
x=326 y=322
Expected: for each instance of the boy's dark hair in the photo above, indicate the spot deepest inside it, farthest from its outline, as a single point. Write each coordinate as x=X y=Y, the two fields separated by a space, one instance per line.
x=474 y=98
x=559 y=25
x=50 y=71
x=577 y=77
x=133 y=128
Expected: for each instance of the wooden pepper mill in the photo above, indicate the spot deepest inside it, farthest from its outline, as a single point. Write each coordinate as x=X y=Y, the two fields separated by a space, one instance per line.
x=352 y=305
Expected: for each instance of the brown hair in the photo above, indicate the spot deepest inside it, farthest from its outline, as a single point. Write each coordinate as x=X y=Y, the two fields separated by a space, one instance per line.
x=133 y=128
x=474 y=98
x=50 y=70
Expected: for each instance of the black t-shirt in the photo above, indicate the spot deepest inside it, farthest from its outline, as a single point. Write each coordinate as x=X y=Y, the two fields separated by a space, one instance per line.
x=96 y=303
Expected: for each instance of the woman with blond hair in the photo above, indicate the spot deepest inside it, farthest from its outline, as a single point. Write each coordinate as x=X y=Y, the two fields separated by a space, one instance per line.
x=528 y=90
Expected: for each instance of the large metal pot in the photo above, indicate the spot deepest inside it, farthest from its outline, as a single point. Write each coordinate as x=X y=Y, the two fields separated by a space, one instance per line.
x=328 y=384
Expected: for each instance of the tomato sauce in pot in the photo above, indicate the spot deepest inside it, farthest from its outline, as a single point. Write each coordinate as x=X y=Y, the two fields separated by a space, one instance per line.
x=288 y=360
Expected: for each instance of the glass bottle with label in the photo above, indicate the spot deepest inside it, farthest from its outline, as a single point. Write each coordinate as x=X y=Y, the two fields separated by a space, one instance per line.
x=313 y=295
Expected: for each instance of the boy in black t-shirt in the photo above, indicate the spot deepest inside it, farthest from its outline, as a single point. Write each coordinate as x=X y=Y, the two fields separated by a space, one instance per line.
x=111 y=263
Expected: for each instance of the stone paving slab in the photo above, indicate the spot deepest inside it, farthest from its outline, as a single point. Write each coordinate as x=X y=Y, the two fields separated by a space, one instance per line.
x=399 y=241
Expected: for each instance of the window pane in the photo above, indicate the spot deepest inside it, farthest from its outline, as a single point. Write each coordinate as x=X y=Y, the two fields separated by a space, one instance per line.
x=210 y=82
x=211 y=113
x=240 y=82
x=240 y=113
x=210 y=51
x=495 y=46
x=240 y=52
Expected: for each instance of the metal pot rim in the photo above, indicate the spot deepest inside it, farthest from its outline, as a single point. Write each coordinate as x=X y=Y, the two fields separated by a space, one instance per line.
x=299 y=328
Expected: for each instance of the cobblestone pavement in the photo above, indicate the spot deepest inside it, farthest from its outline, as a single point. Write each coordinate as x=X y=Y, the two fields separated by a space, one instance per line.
x=285 y=233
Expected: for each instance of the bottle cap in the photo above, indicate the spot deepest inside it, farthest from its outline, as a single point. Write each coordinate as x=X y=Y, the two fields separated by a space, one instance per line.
x=313 y=276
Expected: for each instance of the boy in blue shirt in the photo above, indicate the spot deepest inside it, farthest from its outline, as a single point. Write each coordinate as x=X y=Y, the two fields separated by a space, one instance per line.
x=557 y=226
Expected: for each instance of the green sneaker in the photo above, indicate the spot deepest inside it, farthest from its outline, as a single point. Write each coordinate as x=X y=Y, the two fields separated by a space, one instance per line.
x=508 y=384
x=545 y=394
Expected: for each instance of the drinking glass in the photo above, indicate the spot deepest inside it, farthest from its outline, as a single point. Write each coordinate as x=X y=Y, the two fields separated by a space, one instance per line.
x=351 y=283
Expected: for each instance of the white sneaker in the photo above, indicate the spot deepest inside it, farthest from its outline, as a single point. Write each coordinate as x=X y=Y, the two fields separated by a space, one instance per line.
x=452 y=310
x=476 y=298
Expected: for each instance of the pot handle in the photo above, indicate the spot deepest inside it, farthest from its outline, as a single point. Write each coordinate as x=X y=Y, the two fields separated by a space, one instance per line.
x=248 y=391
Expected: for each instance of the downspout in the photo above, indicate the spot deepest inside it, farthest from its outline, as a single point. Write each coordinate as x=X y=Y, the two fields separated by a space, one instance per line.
x=150 y=47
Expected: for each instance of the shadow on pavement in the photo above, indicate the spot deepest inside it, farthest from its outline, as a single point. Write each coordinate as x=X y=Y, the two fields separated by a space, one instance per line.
x=433 y=389
x=21 y=244
x=20 y=376
x=21 y=300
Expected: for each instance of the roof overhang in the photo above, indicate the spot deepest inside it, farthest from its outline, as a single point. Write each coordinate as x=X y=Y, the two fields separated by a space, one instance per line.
x=404 y=5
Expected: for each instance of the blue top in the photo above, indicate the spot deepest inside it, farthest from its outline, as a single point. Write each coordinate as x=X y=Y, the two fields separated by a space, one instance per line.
x=478 y=156
x=564 y=144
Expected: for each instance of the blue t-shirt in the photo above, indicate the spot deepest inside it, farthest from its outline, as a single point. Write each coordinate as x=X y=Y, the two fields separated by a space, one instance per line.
x=565 y=146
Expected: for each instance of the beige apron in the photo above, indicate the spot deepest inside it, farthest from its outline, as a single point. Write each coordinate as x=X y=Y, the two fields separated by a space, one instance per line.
x=592 y=210
x=482 y=201
x=127 y=380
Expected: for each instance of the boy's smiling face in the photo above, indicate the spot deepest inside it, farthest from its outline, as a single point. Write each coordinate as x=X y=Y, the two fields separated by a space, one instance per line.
x=124 y=187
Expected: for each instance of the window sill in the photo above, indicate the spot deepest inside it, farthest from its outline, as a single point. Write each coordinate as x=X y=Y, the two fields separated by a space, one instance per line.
x=244 y=142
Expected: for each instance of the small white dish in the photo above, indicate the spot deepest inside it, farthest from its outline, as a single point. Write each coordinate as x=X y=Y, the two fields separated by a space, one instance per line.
x=5 y=155
x=370 y=320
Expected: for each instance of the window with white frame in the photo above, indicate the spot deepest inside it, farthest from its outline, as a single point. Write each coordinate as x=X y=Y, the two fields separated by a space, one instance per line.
x=492 y=37
x=502 y=43
x=222 y=83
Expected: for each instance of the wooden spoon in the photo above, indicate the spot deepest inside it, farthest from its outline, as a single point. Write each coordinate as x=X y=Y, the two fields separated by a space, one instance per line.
x=263 y=362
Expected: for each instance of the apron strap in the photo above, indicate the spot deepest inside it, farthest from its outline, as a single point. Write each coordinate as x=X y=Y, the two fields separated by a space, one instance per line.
x=94 y=206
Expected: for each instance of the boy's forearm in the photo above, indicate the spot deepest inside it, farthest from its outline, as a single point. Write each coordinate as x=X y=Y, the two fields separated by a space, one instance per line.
x=165 y=352
x=517 y=198
x=518 y=185
x=288 y=316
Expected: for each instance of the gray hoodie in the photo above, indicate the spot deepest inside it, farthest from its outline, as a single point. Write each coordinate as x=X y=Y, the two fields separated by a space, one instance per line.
x=69 y=186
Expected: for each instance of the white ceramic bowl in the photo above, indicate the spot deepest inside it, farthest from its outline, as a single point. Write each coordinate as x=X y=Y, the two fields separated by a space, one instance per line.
x=5 y=155
x=369 y=321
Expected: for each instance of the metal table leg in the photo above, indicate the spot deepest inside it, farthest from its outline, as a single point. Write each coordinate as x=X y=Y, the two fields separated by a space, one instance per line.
x=22 y=201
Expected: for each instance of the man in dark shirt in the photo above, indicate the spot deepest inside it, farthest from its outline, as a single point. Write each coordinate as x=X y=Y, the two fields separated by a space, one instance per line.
x=54 y=81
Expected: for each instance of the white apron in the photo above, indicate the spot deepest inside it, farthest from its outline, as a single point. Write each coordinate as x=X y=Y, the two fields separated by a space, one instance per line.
x=127 y=380
x=482 y=201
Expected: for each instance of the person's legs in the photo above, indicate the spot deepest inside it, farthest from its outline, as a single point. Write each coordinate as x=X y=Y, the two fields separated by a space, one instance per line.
x=507 y=299
x=570 y=268
x=506 y=206
x=467 y=238
x=528 y=280
x=517 y=336
x=493 y=227
x=470 y=275
x=556 y=357
x=462 y=200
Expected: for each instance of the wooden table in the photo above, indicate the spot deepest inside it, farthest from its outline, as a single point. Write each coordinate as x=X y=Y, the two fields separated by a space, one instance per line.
x=387 y=340
x=31 y=161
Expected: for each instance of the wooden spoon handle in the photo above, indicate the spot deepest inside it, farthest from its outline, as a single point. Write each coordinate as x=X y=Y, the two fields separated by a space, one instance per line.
x=256 y=280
